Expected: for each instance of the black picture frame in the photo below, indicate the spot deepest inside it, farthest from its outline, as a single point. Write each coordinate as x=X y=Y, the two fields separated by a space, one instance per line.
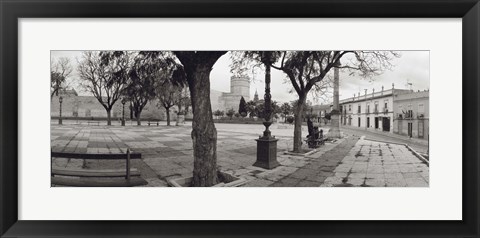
x=11 y=11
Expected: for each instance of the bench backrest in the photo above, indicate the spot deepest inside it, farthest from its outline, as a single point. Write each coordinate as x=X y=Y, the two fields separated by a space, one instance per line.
x=95 y=156
x=127 y=157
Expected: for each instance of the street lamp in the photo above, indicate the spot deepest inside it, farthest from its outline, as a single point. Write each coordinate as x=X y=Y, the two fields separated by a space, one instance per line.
x=60 y=100
x=267 y=144
x=123 y=111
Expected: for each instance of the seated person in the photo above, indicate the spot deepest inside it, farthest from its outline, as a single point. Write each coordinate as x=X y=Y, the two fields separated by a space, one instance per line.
x=313 y=130
x=318 y=134
x=310 y=126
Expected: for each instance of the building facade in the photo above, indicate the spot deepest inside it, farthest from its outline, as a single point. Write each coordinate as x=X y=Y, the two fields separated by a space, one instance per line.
x=85 y=107
x=374 y=111
x=239 y=87
x=412 y=114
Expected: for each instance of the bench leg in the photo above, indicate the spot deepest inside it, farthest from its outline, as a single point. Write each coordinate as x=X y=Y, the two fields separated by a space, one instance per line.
x=128 y=165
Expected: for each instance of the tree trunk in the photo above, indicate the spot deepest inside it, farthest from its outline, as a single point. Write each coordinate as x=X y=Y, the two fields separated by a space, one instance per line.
x=109 y=117
x=168 y=116
x=139 y=122
x=297 y=131
x=204 y=134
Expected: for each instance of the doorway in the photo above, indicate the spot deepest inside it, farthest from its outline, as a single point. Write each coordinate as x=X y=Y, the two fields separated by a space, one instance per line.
x=368 y=122
x=376 y=122
x=420 y=129
x=410 y=128
x=386 y=123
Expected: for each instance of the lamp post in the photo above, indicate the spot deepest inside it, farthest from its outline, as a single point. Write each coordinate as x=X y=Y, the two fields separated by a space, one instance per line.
x=123 y=111
x=60 y=100
x=267 y=144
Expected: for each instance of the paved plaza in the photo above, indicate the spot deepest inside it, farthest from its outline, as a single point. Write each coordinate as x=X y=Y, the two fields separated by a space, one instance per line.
x=167 y=154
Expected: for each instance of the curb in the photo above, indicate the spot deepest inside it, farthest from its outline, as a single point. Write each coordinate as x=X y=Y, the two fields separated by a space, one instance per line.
x=418 y=155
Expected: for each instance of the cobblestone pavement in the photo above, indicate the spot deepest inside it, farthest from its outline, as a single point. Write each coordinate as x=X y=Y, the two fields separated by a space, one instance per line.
x=167 y=154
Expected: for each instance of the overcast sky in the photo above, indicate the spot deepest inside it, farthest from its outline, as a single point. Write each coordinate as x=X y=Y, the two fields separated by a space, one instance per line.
x=412 y=67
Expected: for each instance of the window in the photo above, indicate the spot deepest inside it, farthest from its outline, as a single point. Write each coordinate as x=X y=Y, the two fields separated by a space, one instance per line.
x=410 y=111
x=376 y=107
x=359 y=109
x=368 y=108
x=410 y=114
x=349 y=108
x=421 y=108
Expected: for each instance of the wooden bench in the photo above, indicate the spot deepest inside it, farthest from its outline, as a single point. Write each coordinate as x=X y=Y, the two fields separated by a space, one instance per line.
x=153 y=122
x=93 y=122
x=127 y=177
x=315 y=143
x=314 y=138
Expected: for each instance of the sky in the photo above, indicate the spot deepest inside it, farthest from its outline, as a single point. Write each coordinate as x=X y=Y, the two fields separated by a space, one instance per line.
x=410 y=70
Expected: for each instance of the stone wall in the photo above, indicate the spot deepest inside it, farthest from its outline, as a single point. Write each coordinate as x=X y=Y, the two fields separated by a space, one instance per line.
x=88 y=107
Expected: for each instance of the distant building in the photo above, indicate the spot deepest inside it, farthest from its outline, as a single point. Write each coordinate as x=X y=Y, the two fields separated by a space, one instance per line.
x=239 y=87
x=371 y=110
x=412 y=114
x=67 y=92
x=320 y=110
x=89 y=107
x=255 y=97
x=256 y=100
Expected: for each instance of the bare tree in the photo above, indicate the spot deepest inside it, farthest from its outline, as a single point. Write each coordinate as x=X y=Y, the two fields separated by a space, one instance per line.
x=105 y=75
x=197 y=65
x=144 y=78
x=169 y=95
x=59 y=72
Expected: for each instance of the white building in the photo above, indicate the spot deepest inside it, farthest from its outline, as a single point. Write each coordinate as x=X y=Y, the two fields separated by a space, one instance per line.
x=370 y=110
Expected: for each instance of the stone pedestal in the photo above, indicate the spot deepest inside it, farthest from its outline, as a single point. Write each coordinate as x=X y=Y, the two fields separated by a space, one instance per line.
x=123 y=122
x=266 y=149
x=60 y=121
x=266 y=153
x=334 y=131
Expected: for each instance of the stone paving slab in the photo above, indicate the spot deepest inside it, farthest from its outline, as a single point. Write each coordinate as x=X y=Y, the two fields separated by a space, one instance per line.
x=377 y=164
x=167 y=153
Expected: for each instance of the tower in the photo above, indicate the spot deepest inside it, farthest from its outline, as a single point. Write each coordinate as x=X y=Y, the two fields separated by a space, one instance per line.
x=255 y=98
x=240 y=86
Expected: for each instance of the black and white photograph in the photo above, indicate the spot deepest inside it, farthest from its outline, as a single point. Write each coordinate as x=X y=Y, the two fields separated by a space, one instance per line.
x=239 y=118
